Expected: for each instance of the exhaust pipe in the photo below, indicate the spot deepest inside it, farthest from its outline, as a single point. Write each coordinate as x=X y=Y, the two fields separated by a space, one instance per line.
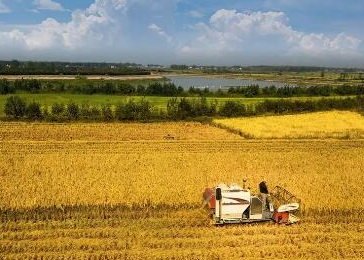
x=244 y=183
x=219 y=199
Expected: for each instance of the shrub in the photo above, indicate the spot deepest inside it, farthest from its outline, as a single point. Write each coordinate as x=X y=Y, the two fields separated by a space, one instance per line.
x=57 y=109
x=172 y=109
x=33 y=85
x=144 y=110
x=184 y=109
x=125 y=89
x=109 y=88
x=202 y=108
x=85 y=111
x=125 y=111
x=107 y=114
x=58 y=112
x=73 y=111
x=131 y=110
x=188 y=108
x=88 y=112
x=95 y=114
x=45 y=113
x=15 y=107
x=232 y=109
x=33 y=111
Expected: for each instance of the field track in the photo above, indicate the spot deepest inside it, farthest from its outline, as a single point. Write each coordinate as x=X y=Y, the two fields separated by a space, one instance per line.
x=178 y=234
x=72 y=77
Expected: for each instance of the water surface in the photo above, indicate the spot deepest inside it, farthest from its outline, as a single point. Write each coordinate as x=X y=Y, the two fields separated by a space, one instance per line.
x=214 y=83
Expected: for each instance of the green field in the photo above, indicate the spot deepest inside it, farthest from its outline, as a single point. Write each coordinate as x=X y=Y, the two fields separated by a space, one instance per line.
x=299 y=78
x=98 y=100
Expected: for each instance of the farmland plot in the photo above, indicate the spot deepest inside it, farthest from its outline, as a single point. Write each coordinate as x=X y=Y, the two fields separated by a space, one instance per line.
x=141 y=198
x=334 y=124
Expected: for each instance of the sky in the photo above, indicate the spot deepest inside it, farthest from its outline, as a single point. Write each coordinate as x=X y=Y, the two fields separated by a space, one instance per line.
x=202 y=32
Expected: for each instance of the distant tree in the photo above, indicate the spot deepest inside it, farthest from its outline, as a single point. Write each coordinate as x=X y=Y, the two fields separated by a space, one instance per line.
x=252 y=91
x=5 y=87
x=140 y=90
x=33 y=85
x=126 y=89
x=109 y=88
x=18 y=84
x=270 y=91
x=343 y=76
x=179 y=67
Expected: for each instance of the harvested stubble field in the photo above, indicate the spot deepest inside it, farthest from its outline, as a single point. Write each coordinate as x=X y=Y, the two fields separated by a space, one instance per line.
x=140 y=198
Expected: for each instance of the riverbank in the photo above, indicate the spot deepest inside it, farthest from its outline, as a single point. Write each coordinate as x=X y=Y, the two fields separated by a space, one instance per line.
x=90 y=77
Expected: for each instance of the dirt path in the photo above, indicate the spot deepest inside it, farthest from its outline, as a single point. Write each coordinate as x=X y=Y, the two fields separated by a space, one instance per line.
x=69 y=77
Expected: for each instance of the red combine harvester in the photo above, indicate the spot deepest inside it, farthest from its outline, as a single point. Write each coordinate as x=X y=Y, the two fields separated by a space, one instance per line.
x=234 y=204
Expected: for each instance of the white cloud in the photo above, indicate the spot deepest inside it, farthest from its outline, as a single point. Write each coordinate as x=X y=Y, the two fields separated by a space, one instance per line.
x=195 y=14
x=155 y=28
x=86 y=28
x=48 y=5
x=319 y=43
x=4 y=8
x=229 y=30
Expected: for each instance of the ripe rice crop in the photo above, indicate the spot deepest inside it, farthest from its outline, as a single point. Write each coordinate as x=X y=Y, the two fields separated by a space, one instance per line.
x=336 y=124
x=175 y=173
x=111 y=132
x=84 y=198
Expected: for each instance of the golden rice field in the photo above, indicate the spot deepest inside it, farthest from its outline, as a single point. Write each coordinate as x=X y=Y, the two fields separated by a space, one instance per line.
x=71 y=192
x=336 y=124
x=110 y=132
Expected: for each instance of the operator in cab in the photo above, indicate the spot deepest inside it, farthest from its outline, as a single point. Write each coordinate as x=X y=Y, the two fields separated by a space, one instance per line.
x=263 y=189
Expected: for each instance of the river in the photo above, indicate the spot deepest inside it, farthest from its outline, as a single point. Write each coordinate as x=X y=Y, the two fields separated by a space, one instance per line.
x=215 y=83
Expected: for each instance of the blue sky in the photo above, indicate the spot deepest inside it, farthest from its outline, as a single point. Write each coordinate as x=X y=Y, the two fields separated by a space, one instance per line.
x=206 y=32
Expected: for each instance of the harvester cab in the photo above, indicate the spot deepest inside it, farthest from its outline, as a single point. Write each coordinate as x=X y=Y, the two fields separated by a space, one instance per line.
x=230 y=204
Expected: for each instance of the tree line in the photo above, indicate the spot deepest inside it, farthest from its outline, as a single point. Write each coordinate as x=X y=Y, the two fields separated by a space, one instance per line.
x=17 y=108
x=263 y=69
x=15 y=67
x=89 y=87
x=170 y=89
x=297 y=91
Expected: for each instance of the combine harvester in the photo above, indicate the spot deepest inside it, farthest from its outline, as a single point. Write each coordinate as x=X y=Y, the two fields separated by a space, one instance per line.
x=236 y=205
